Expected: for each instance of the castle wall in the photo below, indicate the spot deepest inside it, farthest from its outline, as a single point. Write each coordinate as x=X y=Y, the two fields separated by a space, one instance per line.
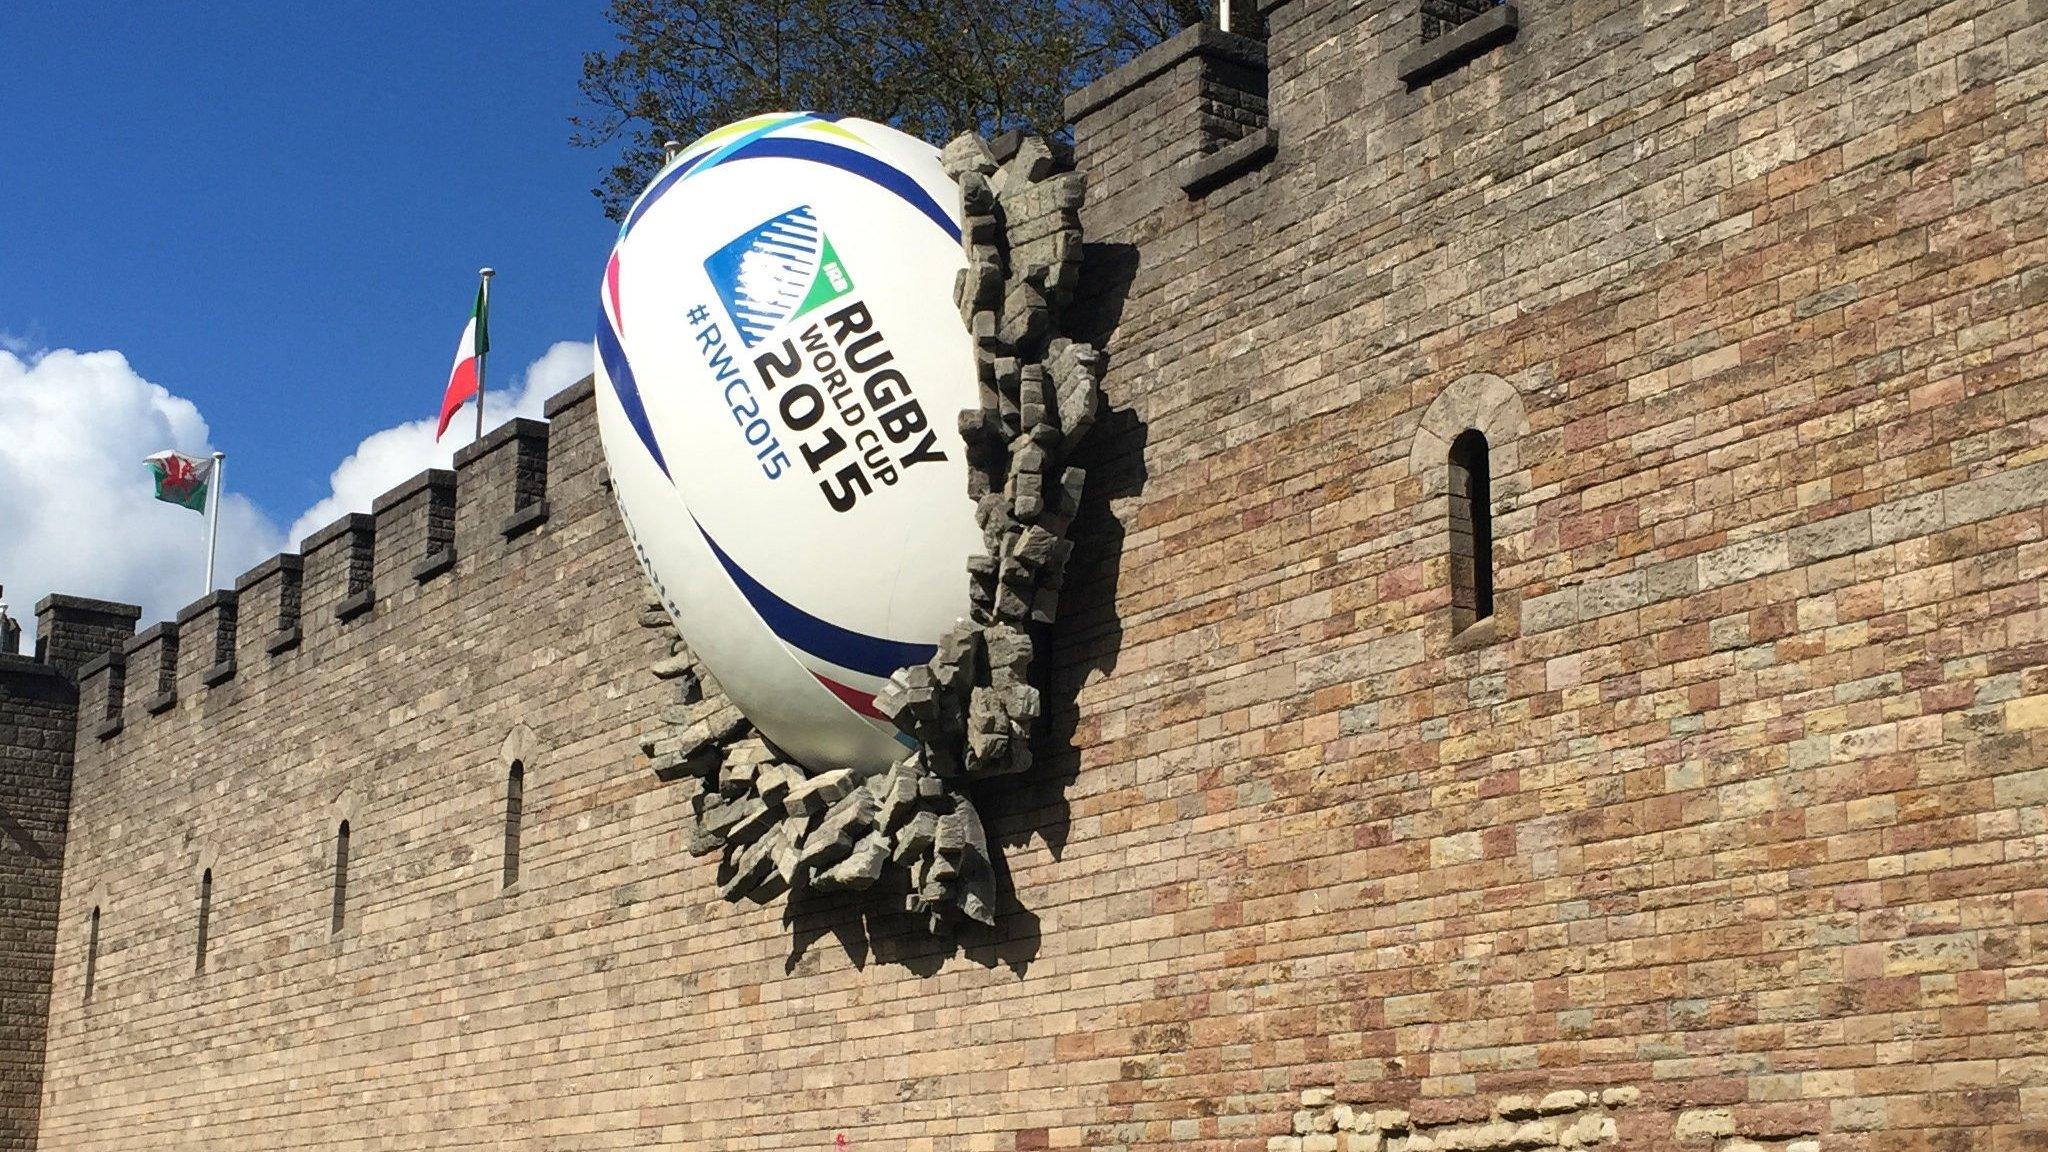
x=1734 y=809
x=38 y=714
x=39 y=721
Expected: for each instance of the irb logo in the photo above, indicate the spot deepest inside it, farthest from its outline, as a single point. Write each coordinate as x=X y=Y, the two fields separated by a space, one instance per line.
x=776 y=272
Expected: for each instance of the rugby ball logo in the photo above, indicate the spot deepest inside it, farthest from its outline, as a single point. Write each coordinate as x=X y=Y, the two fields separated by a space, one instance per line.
x=776 y=272
x=780 y=367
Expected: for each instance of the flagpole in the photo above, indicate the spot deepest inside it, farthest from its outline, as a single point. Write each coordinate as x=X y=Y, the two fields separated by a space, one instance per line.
x=220 y=465
x=482 y=320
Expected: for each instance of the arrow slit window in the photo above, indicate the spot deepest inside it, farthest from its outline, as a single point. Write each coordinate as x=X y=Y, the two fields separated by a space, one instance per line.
x=515 y=804
x=1471 y=530
x=92 y=952
x=205 y=913
x=340 y=910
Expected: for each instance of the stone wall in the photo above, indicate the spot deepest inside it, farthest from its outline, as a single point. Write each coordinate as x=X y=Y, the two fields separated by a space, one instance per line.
x=38 y=715
x=1732 y=814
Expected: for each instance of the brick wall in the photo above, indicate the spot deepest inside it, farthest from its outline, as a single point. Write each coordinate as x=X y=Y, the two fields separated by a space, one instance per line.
x=38 y=715
x=1724 y=832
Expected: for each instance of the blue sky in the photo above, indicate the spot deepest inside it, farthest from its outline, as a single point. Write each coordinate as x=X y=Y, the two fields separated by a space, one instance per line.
x=275 y=212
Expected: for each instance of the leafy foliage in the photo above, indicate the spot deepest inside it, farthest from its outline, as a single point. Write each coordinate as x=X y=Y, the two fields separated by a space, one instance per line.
x=932 y=68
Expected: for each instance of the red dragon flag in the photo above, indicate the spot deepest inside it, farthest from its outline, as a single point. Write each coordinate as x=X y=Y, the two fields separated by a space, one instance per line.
x=466 y=379
x=181 y=479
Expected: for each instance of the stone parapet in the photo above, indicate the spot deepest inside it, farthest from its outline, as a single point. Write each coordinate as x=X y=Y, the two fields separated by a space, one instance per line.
x=268 y=598
x=285 y=616
x=340 y=569
x=151 y=659
x=1138 y=130
x=206 y=641
x=73 y=630
x=504 y=486
x=414 y=540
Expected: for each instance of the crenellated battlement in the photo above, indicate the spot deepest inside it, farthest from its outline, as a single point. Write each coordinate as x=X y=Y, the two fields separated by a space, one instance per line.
x=287 y=614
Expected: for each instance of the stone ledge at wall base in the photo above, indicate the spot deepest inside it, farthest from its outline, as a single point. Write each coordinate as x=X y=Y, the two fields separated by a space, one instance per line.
x=525 y=520
x=1204 y=174
x=1466 y=42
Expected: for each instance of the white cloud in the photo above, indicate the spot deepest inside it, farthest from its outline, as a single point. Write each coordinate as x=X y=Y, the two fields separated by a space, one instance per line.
x=77 y=509
x=78 y=512
x=388 y=458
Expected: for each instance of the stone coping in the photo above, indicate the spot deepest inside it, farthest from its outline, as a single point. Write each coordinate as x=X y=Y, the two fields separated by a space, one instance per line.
x=418 y=483
x=349 y=522
x=282 y=562
x=219 y=598
x=87 y=604
x=519 y=428
x=581 y=392
x=150 y=635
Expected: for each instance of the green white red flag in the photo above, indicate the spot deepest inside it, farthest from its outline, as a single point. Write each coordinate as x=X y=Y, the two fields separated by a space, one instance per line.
x=181 y=480
x=464 y=378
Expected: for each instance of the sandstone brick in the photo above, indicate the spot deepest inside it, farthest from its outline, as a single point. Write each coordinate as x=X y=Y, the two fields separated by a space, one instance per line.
x=1709 y=1122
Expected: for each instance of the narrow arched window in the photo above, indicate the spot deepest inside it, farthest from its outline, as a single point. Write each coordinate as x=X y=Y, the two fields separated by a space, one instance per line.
x=1471 y=530
x=92 y=952
x=205 y=913
x=515 y=805
x=340 y=877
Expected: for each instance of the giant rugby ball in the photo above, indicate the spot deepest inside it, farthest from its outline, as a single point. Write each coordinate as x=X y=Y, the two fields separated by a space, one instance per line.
x=780 y=369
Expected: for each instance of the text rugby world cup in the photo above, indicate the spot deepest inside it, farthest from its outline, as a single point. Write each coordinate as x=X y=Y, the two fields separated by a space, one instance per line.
x=780 y=371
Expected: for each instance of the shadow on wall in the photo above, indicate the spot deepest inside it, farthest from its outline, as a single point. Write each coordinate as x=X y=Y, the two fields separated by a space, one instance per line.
x=1085 y=640
x=12 y=831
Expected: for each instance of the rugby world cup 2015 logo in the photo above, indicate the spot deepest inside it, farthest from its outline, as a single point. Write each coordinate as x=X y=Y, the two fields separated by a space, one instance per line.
x=775 y=272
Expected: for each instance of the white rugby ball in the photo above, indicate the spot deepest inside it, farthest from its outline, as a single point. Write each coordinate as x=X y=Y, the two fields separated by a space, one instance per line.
x=780 y=371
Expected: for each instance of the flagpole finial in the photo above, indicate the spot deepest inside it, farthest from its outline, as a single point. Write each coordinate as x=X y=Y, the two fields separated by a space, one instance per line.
x=671 y=149
x=220 y=455
x=487 y=273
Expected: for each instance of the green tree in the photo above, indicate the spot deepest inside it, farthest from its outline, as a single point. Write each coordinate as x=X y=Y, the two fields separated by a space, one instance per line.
x=932 y=68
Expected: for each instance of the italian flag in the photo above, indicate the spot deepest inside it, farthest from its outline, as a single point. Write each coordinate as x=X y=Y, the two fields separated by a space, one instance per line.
x=468 y=370
x=181 y=479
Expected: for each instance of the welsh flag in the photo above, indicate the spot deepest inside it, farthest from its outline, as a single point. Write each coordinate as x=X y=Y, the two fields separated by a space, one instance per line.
x=181 y=480
x=462 y=379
